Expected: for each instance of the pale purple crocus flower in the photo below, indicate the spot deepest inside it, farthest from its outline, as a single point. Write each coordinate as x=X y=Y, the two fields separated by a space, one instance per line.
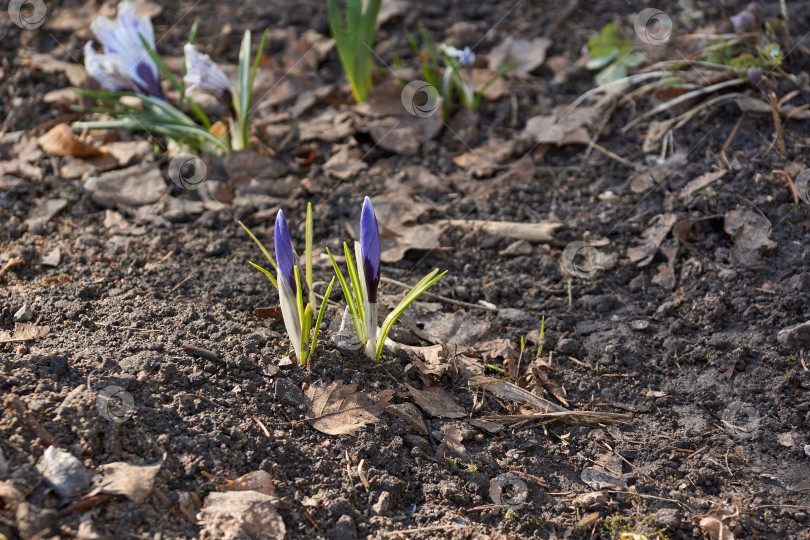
x=287 y=287
x=203 y=74
x=465 y=56
x=367 y=252
x=125 y=63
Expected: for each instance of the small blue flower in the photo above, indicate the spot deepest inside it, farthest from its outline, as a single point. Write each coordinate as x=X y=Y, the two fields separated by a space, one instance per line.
x=285 y=256
x=464 y=57
x=370 y=249
x=203 y=74
x=125 y=63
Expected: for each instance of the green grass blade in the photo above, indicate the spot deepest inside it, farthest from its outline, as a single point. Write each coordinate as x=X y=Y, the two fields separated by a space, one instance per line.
x=357 y=287
x=244 y=89
x=306 y=330
x=321 y=312
x=266 y=273
x=162 y=67
x=308 y=252
x=424 y=284
x=347 y=294
x=542 y=333
x=261 y=246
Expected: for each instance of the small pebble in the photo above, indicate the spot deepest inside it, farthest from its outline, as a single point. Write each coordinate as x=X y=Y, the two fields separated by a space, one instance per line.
x=23 y=314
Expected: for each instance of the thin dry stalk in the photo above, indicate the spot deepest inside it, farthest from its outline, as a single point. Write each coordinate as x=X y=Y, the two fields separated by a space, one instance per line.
x=777 y=123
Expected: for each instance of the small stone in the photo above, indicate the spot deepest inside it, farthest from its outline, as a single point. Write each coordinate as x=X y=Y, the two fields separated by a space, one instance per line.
x=33 y=522
x=344 y=529
x=285 y=363
x=64 y=471
x=58 y=366
x=383 y=504
x=288 y=393
x=798 y=334
x=639 y=324
x=23 y=314
x=668 y=517
x=3 y=465
x=807 y=450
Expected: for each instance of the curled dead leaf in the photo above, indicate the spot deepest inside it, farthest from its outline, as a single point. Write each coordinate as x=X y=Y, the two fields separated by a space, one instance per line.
x=60 y=141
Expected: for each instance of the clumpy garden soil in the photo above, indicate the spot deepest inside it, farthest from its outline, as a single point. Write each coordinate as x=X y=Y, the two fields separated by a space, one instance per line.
x=168 y=315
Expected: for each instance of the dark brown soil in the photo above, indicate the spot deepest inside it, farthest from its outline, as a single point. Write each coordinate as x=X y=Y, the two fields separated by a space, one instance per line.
x=123 y=308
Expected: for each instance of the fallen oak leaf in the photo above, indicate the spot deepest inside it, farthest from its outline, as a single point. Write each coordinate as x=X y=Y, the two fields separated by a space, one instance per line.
x=338 y=409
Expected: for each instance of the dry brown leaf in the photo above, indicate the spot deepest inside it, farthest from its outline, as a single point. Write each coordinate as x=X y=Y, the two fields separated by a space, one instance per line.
x=551 y=130
x=24 y=332
x=60 y=141
x=451 y=443
x=700 y=182
x=338 y=409
x=749 y=104
x=437 y=402
x=329 y=126
x=484 y=160
x=132 y=481
x=404 y=134
x=524 y=54
x=716 y=529
x=512 y=392
x=489 y=84
x=260 y=481
x=345 y=163
x=655 y=174
x=458 y=331
x=241 y=514
x=44 y=211
x=750 y=231
x=651 y=239
x=133 y=186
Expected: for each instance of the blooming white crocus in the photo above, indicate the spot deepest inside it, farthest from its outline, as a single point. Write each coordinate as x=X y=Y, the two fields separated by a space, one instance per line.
x=203 y=74
x=125 y=63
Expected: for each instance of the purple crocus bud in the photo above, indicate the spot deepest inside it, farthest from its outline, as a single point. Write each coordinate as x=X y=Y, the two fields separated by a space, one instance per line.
x=370 y=249
x=124 y=56
x=285 y=256
x=287 y=287
x=203 y=74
